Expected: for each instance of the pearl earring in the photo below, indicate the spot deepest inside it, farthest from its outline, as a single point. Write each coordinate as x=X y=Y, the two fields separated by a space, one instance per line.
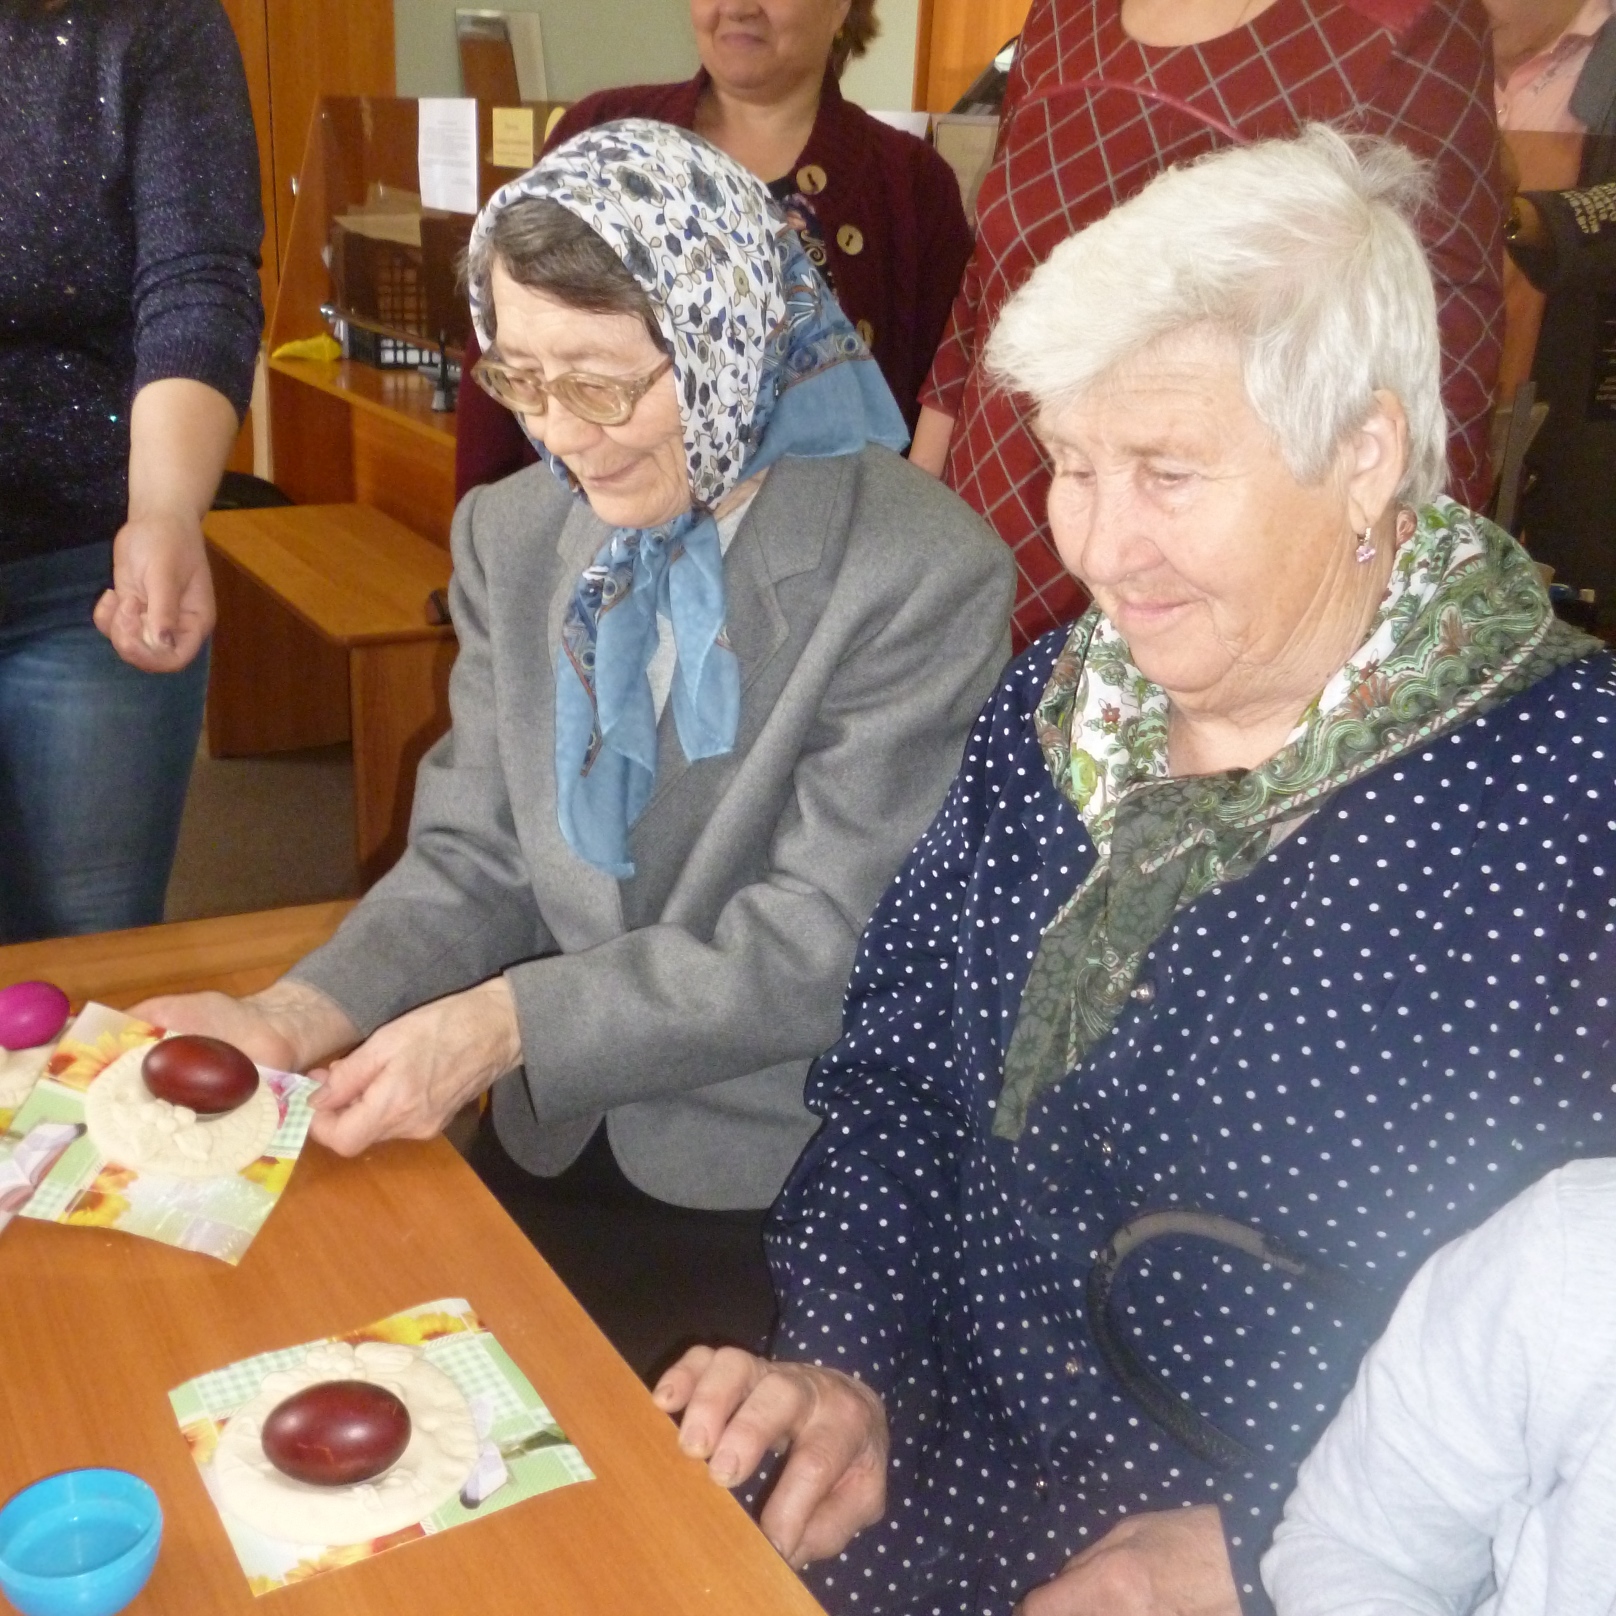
x=1366 y=546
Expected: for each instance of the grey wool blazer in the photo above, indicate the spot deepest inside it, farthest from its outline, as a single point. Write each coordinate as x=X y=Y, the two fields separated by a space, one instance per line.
x=869 y=609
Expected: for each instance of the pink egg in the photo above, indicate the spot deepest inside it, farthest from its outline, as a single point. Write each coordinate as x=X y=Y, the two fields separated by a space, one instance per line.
x=31 y=1013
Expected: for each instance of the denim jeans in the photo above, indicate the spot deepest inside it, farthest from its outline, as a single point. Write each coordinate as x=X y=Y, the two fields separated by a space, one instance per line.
x=95 y=757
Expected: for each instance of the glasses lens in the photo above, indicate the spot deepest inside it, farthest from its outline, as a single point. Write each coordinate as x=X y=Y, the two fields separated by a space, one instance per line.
x=516 y=388
x=595 y=398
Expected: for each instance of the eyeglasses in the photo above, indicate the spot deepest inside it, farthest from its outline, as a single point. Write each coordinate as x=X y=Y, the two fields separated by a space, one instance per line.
x=602 y=400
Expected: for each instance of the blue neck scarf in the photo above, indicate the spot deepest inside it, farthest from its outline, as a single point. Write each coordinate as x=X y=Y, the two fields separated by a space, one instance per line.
x=766 y=366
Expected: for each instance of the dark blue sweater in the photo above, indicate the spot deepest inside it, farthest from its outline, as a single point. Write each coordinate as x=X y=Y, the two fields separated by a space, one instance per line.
x=129 y=232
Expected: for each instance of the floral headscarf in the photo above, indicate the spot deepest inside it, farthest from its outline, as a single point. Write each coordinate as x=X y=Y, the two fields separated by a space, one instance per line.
x=766 y=365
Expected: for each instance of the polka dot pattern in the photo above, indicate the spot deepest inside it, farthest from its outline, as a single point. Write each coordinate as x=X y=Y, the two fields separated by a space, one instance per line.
x=1396 y=1022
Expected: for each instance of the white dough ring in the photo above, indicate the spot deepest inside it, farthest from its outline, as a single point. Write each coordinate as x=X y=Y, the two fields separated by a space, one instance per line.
x=432 y=1469
x=131 y=1127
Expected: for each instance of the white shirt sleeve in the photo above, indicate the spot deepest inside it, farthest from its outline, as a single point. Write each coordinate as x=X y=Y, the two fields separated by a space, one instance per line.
x=1417 y=1496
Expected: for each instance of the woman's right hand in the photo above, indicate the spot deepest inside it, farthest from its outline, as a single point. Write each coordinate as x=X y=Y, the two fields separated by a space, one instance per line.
x=738 y=1407
x=289 y=1026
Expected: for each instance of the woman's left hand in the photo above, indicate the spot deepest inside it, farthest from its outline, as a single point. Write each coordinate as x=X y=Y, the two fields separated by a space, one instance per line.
x=737 y=1408
x=1170 y=1562
x=410 y=1077
x=159 y=610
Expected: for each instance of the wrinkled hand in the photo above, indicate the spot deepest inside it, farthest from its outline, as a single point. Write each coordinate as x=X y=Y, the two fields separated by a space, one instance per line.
x=410 y=1077
x=159 y=610
x=738 y=1407
x=1170 y=1562
x=217 y=1015
x=288 y=1026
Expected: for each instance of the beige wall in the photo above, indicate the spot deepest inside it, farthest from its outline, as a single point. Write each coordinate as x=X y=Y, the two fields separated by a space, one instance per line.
x=592 y=43
x=885 y=79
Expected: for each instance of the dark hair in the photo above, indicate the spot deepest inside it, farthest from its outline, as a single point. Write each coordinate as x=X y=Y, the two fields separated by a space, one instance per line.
x=549 y=249
x=854 y=36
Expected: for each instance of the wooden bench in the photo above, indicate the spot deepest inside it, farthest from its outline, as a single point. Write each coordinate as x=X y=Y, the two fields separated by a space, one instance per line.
x=324 y=635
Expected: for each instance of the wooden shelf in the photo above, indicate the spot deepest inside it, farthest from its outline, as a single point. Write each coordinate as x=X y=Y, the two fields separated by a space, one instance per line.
x=403 y=397
x=353 y=582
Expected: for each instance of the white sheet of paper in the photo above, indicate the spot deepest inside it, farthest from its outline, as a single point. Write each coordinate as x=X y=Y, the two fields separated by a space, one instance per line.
x=446 y=151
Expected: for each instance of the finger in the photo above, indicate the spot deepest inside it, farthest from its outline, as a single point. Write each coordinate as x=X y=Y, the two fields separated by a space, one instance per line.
x=160 y=629
x=772 y=1415
x=723 y=1388
x=349 y=1077
x=858 y=1500
x=196 y=616
x=829 y=1488
x=1112 y=1581
x=1054 y=1599
x=106 y=608
x=161 y=1011
x=188 y=640
x=679 y=1381
x=125 y=628
x=352 y=1130
x=189 y=1012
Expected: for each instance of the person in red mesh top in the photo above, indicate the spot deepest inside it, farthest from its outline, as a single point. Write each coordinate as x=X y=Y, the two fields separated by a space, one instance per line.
x=1104 y=95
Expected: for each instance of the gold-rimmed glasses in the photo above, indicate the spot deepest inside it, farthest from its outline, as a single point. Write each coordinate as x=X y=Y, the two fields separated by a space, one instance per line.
x=602 y=400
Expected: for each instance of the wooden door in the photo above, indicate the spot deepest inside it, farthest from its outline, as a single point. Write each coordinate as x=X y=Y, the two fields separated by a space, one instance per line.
x=956 y=39
x=319 y=48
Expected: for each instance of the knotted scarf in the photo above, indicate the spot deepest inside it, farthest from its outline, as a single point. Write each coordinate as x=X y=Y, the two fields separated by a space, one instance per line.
x=1464 y=625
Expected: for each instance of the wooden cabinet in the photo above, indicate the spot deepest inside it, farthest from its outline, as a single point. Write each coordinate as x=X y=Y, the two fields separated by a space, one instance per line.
x=955 y=40
x=295 y=51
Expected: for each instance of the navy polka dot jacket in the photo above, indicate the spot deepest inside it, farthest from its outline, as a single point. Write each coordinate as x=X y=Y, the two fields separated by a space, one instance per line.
x=1396 y=1022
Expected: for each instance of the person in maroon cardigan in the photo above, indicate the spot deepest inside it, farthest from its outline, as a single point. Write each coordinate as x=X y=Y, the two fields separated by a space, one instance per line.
x=878 y=210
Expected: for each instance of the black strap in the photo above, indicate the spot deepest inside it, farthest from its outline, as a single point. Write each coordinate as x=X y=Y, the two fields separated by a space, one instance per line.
x=1170 y=1411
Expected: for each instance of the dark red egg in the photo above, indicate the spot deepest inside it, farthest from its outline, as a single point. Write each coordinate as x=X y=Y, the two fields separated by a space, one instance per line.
x=336 y=1433
x=206 y=1074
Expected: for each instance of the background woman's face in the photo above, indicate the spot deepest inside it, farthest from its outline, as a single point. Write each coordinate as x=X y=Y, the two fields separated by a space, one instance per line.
x=1232 y=583
x=756 y=48
x=633 y=475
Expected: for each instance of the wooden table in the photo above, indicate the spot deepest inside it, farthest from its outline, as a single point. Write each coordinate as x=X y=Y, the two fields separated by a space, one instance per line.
x=96 y=1328
x=323 y=634
x=234 y=954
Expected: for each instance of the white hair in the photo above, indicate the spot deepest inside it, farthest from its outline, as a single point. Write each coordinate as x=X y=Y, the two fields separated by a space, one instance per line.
x=1303 y=251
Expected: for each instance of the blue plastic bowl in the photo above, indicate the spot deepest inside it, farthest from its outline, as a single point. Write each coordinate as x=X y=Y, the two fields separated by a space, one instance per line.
x=81 y=1543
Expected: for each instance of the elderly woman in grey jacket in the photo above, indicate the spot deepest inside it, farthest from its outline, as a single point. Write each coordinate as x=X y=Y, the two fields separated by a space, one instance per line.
x=717 y=662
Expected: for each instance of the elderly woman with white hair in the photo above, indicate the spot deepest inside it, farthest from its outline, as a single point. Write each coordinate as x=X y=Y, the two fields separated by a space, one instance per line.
x=1262 y=945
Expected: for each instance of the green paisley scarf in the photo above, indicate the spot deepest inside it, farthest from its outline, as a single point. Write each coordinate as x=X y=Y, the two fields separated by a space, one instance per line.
x=1465 y=624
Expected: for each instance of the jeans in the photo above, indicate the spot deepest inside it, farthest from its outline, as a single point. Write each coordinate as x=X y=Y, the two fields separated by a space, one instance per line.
x=95 y=757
